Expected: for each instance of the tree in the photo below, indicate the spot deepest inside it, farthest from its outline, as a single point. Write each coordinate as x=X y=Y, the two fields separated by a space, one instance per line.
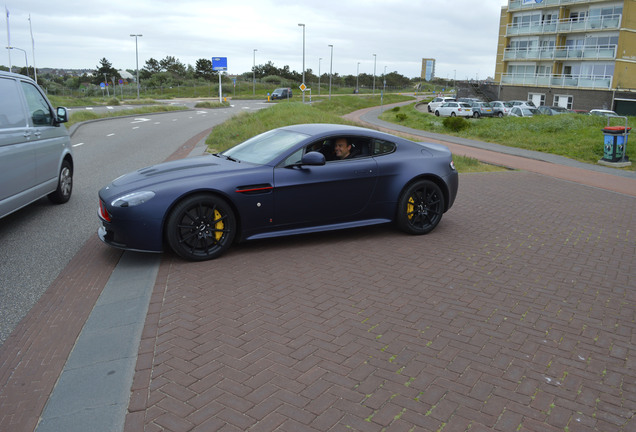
x=107 y=69
x=204 y=69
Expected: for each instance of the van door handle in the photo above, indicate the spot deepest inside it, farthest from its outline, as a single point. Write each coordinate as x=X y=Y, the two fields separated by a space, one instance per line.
x=37 y=134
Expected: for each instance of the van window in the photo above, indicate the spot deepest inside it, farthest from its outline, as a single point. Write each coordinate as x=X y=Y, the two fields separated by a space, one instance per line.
x=11 y=115
x=39 y=110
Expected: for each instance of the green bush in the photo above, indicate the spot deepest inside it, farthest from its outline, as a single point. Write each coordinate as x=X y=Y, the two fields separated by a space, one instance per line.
x=455 y=123
x=113 y=101
x=400 y=117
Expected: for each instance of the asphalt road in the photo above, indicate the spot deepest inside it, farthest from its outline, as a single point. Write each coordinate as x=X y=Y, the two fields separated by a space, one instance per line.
x=37 y=242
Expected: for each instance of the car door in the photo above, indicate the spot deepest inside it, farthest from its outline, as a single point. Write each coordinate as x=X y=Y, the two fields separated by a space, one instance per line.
x=17 y=153
x=315 y=195
x=48 y=137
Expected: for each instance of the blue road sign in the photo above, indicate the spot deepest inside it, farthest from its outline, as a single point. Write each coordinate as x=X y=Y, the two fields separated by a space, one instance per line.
x=219 y=63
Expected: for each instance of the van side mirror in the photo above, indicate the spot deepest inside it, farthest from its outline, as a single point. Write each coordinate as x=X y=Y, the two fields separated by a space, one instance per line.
x=62 y=115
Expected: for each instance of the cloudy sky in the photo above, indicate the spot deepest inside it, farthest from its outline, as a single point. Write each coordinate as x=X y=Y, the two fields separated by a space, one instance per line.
x=460 y=34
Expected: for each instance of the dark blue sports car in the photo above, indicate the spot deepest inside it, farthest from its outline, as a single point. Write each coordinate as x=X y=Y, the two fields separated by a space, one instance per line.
x=292 y=180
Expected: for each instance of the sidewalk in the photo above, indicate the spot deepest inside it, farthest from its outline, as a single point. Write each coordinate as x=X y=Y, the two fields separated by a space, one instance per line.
x=515 y=312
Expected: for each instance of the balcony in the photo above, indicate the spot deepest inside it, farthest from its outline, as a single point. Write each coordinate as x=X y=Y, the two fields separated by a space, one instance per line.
x=514 y=5
x=603 y=82
x=570 y=25
x=598 y=52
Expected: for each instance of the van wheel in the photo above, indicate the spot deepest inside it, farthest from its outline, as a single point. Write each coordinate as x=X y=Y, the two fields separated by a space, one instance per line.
x=64 y=184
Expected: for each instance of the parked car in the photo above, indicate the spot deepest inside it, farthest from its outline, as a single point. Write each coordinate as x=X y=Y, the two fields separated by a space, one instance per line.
x=522 y=103
x=552 y=110
x=482 y=109
x=452 y=109
x=36 y=158
x=281 y=93
x=501 y=108
x=603 y=113
x=436 y=102
x=521 y=111
x=282 y=182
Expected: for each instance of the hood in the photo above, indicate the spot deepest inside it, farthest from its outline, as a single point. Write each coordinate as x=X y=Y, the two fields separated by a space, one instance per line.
x=153 y=176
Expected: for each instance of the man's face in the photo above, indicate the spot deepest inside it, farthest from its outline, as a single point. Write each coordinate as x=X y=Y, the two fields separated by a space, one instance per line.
x=342 y=149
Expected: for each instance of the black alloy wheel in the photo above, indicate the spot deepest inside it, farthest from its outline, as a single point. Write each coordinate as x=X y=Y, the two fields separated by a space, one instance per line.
x=201 y=227
x=420 y=207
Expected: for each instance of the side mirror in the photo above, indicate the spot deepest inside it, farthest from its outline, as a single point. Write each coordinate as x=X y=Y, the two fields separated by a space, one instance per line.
x=62 y=115
x=313 y=158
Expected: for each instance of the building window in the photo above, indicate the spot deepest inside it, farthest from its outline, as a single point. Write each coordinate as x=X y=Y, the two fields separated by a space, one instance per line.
x=564 y=101
x=537 y=98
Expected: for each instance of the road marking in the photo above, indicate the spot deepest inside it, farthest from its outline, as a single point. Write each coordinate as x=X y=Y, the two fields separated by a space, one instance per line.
x=139 y=120
x=109 y=135
x=78 y=144
x=136 y=127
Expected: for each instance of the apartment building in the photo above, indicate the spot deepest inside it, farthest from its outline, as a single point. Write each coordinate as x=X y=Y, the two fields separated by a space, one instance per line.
x=579 y=54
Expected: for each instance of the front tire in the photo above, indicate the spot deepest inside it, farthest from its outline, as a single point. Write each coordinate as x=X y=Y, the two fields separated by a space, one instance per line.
x=453 y=114
x=201 y=227
x=420 y=208
x=476 y=114
x=64 y=184
x=437 y=113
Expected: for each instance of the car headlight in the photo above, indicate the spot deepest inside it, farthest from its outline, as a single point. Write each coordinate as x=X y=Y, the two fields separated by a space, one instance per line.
x=133 y=199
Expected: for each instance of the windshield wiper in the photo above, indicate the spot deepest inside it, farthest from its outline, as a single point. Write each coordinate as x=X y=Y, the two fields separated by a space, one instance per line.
x=226 y=157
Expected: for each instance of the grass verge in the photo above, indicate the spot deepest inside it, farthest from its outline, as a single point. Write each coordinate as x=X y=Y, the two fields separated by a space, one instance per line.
x=575 y=136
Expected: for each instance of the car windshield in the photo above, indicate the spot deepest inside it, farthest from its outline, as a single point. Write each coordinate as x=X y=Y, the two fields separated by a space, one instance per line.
x=265 y=147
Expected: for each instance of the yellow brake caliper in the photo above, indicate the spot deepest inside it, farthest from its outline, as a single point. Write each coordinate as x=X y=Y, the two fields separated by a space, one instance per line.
x=410 y=207
x=218 y=226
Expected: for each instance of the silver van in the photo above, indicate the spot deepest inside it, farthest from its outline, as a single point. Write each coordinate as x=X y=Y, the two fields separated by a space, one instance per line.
x=36 y=159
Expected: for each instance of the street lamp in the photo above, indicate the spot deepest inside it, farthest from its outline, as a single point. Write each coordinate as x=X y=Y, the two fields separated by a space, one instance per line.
x=254 y=74
x=319 y=60
x=26 y=61
x=375 y=57
x=330 y=70
x=137 y=59
x=357 y=77
x=303 y=26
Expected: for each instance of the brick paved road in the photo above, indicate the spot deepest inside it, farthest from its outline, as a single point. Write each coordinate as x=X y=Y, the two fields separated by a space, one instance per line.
x=516 y=314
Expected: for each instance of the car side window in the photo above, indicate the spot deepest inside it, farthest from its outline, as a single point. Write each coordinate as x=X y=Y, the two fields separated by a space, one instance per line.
x=11 y=112
x=380 y=147
x=39 y=110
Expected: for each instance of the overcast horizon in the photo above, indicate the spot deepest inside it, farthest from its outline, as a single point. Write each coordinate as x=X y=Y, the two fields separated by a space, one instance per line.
x=461 y=35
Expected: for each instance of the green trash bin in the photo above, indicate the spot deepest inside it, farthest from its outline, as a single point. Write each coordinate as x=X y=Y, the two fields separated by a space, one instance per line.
x=614 y=140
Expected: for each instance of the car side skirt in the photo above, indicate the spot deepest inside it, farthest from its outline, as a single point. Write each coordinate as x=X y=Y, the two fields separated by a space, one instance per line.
x=320 y=228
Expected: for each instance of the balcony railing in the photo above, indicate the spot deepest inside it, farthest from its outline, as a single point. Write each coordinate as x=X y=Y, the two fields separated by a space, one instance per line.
x=597 y=52
x=579 y=81
x=565 y=26
x=520 y=4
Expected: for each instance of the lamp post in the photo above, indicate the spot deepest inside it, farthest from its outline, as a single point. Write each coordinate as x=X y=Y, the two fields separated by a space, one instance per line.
x=254 y=74
x=319 y=60
x=26 y=61
x=303 y=26
x=330 y=70
x=357 y=78
x=375 y=57
x=137 y=59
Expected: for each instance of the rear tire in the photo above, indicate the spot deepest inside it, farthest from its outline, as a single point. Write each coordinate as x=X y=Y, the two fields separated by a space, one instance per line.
x=64 y=184
x=420 y=207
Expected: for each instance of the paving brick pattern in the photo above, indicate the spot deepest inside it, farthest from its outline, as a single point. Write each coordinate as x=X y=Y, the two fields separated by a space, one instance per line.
x=517 y=313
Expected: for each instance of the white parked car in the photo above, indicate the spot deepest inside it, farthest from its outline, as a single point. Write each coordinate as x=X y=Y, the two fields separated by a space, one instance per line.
x=436 y=102
x=452 y=109
x=522 y=111
x=603 y=113
x=527 y=104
